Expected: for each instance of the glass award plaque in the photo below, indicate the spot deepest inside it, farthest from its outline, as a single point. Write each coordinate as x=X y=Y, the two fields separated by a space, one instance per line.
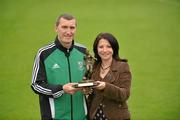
x=86 y=83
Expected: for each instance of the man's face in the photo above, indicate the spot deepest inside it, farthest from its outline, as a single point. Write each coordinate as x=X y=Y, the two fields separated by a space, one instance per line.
x=66 y=30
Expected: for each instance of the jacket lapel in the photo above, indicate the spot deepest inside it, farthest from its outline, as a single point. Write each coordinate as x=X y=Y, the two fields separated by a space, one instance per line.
x=112 y=74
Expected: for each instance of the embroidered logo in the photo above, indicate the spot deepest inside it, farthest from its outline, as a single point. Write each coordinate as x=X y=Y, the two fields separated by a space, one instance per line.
x=55 y=66
x=80 y=65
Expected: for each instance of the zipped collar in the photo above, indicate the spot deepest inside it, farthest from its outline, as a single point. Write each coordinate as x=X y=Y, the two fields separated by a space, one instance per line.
x=61 y=47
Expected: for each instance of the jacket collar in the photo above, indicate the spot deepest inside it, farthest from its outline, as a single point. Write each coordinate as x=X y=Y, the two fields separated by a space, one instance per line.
x=61 y=47
x=113 y=71
x=110 y=75
x=114 y=67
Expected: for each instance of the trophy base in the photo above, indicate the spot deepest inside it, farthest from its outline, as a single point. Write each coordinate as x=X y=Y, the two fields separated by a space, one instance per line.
x=86 y=83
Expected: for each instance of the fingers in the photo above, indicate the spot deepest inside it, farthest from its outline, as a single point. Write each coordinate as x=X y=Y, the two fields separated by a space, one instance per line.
x=101 y=85
x=87 y=90
x=68 y=88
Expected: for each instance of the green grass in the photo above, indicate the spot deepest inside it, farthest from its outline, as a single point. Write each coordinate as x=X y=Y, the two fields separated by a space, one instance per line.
x=148 y=33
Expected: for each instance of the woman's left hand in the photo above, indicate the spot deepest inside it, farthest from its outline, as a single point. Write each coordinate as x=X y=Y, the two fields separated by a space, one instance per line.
x=101 y=85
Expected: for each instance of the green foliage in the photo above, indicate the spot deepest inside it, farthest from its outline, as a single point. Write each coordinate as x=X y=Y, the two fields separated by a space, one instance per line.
x=148 y=33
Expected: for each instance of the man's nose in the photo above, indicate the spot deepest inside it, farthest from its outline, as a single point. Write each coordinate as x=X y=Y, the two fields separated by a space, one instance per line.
x=68 y=30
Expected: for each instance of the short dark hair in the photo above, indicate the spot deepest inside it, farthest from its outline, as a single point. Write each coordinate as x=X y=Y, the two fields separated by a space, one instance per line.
x=113 y=42
x=65 y=16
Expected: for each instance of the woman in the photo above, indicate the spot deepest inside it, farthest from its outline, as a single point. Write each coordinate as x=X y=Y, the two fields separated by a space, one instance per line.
x=108 y=100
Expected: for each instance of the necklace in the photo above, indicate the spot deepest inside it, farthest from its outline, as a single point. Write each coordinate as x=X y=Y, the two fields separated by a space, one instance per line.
x=103 y=70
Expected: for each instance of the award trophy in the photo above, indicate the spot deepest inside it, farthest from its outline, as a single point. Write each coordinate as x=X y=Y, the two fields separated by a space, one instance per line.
x=87 y=82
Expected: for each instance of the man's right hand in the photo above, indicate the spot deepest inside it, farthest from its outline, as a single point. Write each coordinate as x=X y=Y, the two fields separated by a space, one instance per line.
x=68 y=88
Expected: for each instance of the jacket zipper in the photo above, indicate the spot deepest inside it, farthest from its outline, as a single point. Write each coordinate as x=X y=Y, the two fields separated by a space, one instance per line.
x=69 y=68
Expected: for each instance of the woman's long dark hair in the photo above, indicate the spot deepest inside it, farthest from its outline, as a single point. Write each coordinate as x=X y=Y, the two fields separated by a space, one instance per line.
x=114 y=44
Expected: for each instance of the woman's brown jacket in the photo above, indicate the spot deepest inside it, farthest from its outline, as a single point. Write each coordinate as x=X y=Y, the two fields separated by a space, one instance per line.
x=116 y=93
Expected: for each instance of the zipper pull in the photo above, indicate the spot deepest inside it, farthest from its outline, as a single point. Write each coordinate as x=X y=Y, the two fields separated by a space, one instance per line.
x=67 y=54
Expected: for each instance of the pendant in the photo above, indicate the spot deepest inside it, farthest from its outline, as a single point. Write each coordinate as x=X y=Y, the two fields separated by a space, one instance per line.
x=102 y=71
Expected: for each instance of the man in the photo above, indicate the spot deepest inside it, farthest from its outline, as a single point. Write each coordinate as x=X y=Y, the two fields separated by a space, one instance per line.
x=57 y=67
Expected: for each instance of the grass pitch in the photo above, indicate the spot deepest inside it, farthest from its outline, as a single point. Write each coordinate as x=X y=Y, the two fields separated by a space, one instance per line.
x=148 y=33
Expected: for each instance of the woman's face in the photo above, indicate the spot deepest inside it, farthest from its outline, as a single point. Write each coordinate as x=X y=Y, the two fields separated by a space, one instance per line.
x=105 y=50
